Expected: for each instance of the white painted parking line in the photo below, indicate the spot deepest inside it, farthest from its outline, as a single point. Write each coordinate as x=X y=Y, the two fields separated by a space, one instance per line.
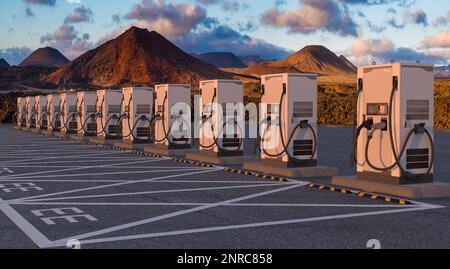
x=153 y=192
x=30 y=175
x=44 y=154
x=112 y=185
x=240 y=226
x=174 y=169
x=227 y=205
x=64 y=157
x=120 y=167
x=148 y=182
x=177 y=213
x=4 y=170
x=34 y=234
x=83 y=160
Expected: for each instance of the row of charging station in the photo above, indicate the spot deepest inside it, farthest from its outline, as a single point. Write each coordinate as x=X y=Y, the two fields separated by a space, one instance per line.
x=393 y=142
x=135 y=115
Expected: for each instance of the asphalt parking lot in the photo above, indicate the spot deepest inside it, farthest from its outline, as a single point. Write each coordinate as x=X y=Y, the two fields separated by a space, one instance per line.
x=53 y=191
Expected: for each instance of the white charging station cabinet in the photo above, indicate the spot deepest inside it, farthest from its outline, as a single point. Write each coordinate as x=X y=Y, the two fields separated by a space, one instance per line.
x=298 y=104
x=109 y=106
x=21 y=112
x=219 y=98
x=413 y=103
x=53 y=112
x=87 y=109
x=137 y=104
x=41 y=111
x=173 y=123
x=68 y=112
x=30 y=111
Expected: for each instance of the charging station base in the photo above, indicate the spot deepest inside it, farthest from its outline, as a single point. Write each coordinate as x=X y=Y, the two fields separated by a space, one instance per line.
x=81 y=137
x=292 y=172
x=48 y=133
x=223 y=160
x=101 y=140
x=129 y=145
x=158 y=150
x=60 y=134
x=414 y=191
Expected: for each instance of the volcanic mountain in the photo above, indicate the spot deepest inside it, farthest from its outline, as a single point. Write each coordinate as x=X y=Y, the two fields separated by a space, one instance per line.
x=4 y=63
x=222 y=59
x=317 y=59
x=136 y=56
x=348 y=63
x=45 y=57
x=311 y=59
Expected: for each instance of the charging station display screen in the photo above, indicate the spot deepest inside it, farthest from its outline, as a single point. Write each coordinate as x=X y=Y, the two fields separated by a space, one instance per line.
x=378 y=109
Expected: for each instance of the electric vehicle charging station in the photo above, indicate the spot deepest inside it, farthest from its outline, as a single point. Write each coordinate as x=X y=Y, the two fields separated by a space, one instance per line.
x=69 y=124
x=288 y=127
x=109 y=120
x=137 y=116
x=30 y=112
x=393 y=145
x=53 y=113
x=173 y=133
x=41 y=112
x=222 y=129
x=86 y=114
x=21 y=112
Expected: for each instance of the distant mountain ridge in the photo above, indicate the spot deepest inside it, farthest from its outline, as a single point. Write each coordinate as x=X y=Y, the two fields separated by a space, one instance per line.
x=221 y=59
x=4 y=63
x=45 y=57
x=311 y=59
x=254 y=59
x=136 y=56
x=442 y=71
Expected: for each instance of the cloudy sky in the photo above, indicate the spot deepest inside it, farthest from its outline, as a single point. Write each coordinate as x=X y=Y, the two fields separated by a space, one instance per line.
x=363 y=30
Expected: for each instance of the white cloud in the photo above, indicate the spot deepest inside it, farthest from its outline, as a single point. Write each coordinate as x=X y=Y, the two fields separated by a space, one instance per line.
x=439 y=40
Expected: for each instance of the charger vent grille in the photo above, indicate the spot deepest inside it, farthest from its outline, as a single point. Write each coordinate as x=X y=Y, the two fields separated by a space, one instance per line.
x=73 y=125
x=417 y=158
x=142 y=131
x=303 y=147
x=114 y=109
x=72 y=109
x=303 y=110
x=91 y=109
x=114 y=130
x=417 y=110
x=143 y=109
x=92 y=127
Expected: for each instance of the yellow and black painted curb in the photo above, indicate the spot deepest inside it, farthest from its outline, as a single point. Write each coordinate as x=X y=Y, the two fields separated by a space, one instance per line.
x=203 y=164
x=372 y=196
x=255 y=174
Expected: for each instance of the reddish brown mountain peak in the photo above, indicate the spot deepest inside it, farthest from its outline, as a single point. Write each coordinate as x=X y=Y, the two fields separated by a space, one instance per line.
x=135 y=57
x=45 y=57
x=317 y=59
